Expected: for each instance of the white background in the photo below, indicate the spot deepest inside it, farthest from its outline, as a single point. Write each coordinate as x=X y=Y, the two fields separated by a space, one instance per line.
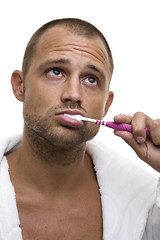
x=132 y=28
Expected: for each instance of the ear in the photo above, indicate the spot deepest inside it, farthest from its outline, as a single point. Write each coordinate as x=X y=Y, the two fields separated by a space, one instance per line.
x=17 y=85
x=109 y=102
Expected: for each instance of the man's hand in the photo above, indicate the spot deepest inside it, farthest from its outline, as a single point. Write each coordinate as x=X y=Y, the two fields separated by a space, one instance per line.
x=148 y=149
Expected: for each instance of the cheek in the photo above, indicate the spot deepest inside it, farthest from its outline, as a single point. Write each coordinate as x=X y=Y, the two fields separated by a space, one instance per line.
x=39 y=91
x=38 y=99
x=97 y=108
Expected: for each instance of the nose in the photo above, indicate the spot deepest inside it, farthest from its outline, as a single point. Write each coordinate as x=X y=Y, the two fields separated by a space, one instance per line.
x=72 y=91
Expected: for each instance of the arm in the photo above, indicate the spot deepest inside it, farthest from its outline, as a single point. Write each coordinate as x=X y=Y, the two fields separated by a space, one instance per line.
x=148 y=149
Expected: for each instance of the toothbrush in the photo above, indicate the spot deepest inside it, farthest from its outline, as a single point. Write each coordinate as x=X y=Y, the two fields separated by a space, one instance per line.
x=117 y=126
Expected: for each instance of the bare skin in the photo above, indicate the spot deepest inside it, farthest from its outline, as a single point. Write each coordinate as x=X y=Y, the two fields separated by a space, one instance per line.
x=54 y=179
x=62 y=213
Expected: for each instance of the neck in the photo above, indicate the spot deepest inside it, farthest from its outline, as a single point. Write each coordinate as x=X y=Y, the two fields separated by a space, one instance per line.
x=45 y=167
x=50 y=154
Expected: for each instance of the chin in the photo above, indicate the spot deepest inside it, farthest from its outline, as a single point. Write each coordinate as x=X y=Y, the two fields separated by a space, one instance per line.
x=66 y=141
x=60 y=136
x=67 y=138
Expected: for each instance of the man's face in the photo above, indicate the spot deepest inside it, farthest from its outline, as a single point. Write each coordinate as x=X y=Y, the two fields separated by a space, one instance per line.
x=68 y=74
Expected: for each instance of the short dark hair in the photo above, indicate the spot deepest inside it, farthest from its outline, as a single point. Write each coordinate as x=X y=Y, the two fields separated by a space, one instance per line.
x=78 y=26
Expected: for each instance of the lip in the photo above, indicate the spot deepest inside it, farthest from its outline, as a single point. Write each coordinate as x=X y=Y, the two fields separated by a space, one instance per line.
x=69 y=122
x=71 y=112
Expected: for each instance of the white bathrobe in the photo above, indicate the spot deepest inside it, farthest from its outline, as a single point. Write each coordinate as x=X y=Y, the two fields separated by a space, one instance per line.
x=130 y=196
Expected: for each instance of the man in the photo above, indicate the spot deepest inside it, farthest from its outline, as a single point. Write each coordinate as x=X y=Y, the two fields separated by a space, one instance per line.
x=59 y=185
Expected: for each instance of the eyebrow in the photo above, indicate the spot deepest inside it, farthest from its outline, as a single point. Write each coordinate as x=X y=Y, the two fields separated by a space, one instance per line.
x=66 y=61
x=96 y=69
x=56 y=61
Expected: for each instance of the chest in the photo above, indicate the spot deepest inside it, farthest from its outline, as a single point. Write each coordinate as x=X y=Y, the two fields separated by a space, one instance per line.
x=68 y=220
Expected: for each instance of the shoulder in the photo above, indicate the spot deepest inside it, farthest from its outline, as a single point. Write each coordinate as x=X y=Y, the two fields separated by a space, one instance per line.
x=128 y=192
x=9 y=144
x=118 y=170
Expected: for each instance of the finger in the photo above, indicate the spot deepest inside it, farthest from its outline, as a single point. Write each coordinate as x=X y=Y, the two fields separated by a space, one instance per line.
x=128 y=137
x=122 y=118
x=123 y=134
x=139 y=123
x=154 y=128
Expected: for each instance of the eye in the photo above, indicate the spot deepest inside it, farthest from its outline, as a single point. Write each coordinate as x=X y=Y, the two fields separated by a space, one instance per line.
x=55 y=72
x=91 y=80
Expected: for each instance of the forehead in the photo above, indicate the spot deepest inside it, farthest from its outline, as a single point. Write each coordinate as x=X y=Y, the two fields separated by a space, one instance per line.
x=61 y=41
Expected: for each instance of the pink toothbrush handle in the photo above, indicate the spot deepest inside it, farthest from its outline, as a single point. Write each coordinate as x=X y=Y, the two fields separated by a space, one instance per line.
x=120 y=126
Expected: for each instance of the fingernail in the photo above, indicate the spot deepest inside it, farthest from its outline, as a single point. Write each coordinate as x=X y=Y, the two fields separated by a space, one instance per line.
x=140 y=139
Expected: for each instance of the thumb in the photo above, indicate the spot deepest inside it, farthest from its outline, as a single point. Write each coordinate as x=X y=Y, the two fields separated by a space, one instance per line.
x=138 y=147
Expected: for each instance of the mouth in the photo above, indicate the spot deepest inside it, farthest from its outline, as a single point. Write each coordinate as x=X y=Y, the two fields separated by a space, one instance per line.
x=70 y=122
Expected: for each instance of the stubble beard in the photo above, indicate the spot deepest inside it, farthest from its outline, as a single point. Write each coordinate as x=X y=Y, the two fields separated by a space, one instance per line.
x=43 y=127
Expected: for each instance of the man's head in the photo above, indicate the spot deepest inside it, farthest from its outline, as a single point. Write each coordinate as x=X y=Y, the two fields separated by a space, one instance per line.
x=76 y=26
x=67 y=69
